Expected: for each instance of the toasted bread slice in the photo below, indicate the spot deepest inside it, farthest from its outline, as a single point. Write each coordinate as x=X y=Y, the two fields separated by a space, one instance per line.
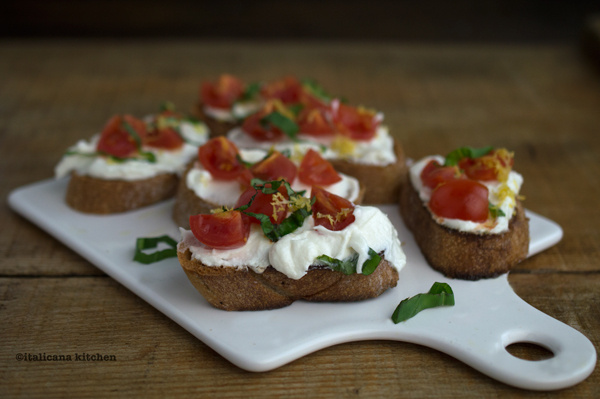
x=93 y=195
x=381 y=182
x=215 y=126
x=464 y=255
x=229 y=288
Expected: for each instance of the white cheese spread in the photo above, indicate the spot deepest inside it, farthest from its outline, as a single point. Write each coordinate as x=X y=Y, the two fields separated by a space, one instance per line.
x=223 y=192
x=379 y=151
x=167 y=161
x=294 y=253
x=237 y=112
x=497 y=196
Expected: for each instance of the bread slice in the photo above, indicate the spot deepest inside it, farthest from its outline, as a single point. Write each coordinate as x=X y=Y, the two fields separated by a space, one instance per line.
x=93 y=195
x=187 y=203
x=382 y=183
x=215 y=126
x=231 y=289
x=464 y=255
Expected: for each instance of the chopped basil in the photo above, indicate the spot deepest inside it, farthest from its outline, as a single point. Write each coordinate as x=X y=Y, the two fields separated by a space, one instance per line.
x=138 y=141
x=296 y=108
x=288 y=126
x=348 y=266
x=440 y=294
x=315 y=89
x=465 y=152
x=152 y=242
x=495 y=211
x=251 y=91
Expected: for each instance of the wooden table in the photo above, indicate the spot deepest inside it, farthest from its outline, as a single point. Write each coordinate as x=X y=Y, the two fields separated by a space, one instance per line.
x=541 y=102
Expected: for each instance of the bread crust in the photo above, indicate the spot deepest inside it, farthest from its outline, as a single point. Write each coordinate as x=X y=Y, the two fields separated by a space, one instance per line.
x=187 y=203
x=234 y=289
x=382 y=183
x=464 y=255
x=215 y=126
x=99 y=196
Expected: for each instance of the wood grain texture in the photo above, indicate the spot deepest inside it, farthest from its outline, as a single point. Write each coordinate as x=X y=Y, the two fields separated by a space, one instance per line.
x=541 y=102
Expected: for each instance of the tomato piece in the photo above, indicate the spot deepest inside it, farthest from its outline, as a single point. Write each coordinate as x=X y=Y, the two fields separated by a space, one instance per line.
x=488 y=167
x=222 y=93
x=225 y=230
x=434 y=174
x=166 y=138
x=116 y=140
x=266 y=204
x=462 y=199
x=331 y=211
x=356 y=123
x=288 y=90
x=219 y=156
x=276 y=167
x=262 y=132
x=245 y=179
x=314 y=170
x=314 y=122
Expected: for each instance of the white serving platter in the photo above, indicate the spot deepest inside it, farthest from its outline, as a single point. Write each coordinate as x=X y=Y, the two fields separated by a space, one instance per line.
x=487 y=317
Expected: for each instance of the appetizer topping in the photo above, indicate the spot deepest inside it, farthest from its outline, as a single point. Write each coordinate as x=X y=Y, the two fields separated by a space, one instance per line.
x=440 y=294
x=219 y=156
x=314 y=170
x=460 y=199
x=355 y=122
x=483 y=164
x=287 y=90
x=142 y=244
x=435 y=174
x=343 y=145
x=223 y=93
x=273 y=205
x=315 y=122
x=121 y=137
x=314 y=94
x=332 y=211
x=349 y=266
x=224 y=230
x=275 y=167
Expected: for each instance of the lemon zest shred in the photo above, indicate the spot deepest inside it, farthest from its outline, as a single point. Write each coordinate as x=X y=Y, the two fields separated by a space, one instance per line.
x=279 y=203
x=221 y=209
x=343 y=145
x=328 y=217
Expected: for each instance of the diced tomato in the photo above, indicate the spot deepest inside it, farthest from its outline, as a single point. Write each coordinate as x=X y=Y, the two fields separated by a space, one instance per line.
x=266 y=204
x=462 y=199
x=331 y=211
x=219 y=156
x=166 y=138
x=276 y=167
x=316 y=171
x=288 y=90
x=245 y=179
x=435 y=174
x=314 y=122
x=225 y=230
x=487 y=167
x=262 y=132
x=223 y=93
x=356 y=123
x=116 y=140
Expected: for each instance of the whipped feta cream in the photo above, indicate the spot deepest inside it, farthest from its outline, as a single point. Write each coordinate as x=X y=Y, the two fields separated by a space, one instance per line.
x=235 y=113
x=500 y=194
x=294 y=253
x=223 y=192
x=379 y=151
x=84 y=162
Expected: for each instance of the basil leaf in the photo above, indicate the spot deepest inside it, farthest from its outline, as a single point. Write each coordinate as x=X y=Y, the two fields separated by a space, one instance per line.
x=495 y=211
x=296 y=108
x=288 y=126
x=465 y=152
x=152 y=242
x=348 y=266
x=440 y=294
x=315 y=89
x=251 y=91
x=133 y=133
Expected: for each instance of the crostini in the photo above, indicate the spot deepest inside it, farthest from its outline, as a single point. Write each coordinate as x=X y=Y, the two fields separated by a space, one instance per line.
x=465 y=214
x=132 y=163
x=222 y=174
x=268 y=253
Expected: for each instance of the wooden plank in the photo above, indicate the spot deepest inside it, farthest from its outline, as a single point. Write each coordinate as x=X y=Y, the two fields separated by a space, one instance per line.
x=155 y=357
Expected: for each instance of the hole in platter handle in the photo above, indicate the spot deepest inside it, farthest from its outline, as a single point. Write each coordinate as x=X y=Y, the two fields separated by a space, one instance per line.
x=574 y=355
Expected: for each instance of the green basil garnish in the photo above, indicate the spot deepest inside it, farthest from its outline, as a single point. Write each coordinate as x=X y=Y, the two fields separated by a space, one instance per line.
x=315 y=89
x=251 y=91
x=495 y=211
x=138 y=141
x=296 y=108
x=465 y=152
x=440 y=294
x=348 y=266
x=288 y=126
x=152 y=242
